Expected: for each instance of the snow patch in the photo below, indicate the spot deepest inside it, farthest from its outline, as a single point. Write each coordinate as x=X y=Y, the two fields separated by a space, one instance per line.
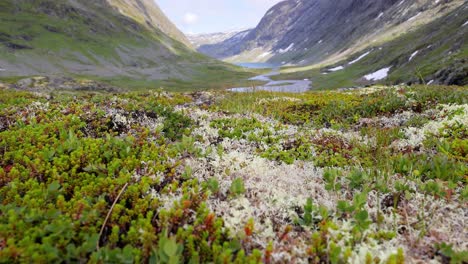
x=339 y=68
x=359 y=58
x=263 y=55
x=430 y=82
x=380 y=15
x=320 y=41
x=286 y=49
x=466 y=23
x=413 y=55
x=378 y=75
x=412 y=18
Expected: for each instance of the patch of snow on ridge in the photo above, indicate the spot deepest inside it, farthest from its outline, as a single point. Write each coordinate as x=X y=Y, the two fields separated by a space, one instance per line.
x=339 y=68
x=378 y=75
x=263 y=55
x=359 y=58
x=380 y=15
x=287 y=49
x=413 y=55
x=412 y=18
x=466 y=23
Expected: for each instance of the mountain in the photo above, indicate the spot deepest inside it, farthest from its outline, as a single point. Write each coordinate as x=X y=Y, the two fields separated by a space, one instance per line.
x=118 y=40
x=305 y=32
x=434 y=53
x=321 y=33
x=199 y=40
x=147 y=12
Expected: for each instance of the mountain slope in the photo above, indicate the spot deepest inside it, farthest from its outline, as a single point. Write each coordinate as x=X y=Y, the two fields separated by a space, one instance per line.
x=95 y=39
x=147 y=12
x=305 y=32
x=228 y=47
x=199 y=40
x=436 y=53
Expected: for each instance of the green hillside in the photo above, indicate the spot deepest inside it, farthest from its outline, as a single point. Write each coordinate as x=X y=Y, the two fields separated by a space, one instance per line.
x=91 y=39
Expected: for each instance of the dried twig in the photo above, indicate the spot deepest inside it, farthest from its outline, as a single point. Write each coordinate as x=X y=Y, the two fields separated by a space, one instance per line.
x=109 y=213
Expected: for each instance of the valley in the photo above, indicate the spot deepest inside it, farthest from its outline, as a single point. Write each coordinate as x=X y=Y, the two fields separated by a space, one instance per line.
x=333 y=131
x=386 y=32
x=288 y=86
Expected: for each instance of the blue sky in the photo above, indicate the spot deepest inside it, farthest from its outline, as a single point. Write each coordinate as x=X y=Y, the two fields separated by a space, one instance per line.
x=205 y=16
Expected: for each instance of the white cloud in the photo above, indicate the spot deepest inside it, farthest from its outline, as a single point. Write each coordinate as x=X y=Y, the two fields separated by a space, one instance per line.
x=190 y=18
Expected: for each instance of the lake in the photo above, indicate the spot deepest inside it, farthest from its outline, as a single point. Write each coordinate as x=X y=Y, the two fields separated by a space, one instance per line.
x=258 y=65
x=285 y=86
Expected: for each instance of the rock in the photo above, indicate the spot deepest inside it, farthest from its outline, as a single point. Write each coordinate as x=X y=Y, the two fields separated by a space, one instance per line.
x=25 y=83
x=203 y=98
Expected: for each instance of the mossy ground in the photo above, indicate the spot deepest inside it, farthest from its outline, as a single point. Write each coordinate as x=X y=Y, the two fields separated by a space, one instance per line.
x=374 y=175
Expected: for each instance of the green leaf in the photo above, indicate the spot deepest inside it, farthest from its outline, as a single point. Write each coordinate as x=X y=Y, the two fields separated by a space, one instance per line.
x=170 y=247
x=153 y=258
x=360 y=200
x=344 y=206
x=174 y=260
x=309 y=206
x=362 y=216
x=237 y=187
x=54 y=186
x=235 y=245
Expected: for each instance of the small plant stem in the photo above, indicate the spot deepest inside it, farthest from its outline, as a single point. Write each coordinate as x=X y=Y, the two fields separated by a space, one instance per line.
x=109 y=213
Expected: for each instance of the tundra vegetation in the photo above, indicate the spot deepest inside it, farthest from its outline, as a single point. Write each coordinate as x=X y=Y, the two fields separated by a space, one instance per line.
x=371 y=175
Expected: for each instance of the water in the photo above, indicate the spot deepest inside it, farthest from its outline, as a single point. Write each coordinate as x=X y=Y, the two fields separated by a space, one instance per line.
x=258 y=65
x=284 y=86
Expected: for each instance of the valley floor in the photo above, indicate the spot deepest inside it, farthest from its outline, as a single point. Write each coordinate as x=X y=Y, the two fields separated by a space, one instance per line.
x=371 y=175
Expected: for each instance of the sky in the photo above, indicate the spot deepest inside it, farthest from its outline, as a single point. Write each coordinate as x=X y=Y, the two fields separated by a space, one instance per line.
x=207 y=16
